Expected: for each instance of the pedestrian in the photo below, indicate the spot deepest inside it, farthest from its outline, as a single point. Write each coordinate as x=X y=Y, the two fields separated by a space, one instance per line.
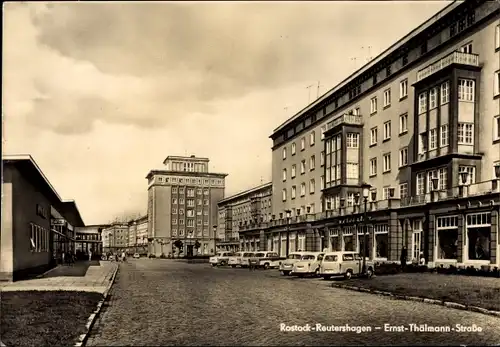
x=63 y=257
x=422 y=259
x=90 y=255
x=123 y=256
x=404 y=256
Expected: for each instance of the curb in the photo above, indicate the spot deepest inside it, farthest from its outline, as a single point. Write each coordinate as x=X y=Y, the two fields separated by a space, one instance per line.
x=82 y=339
x=448 y=304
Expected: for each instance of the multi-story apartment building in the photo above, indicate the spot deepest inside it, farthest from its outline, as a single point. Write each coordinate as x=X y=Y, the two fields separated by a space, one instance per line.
x=115 y=238
x=416 y=132
x=246 y=211
x=182 y=205
x=138 y=235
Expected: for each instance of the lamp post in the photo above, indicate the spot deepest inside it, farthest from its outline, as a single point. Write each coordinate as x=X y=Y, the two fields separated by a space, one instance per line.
x=356 y=200
x=214 y=229
x=366 y=192
x=288 y=214
x=435 y=184
x=342 y=203
x=464 y=178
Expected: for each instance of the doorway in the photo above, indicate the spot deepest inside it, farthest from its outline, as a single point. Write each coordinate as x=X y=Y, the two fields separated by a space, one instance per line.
x=190 y=250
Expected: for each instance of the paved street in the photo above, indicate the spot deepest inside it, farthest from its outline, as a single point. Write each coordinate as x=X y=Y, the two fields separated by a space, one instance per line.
x=163 y=302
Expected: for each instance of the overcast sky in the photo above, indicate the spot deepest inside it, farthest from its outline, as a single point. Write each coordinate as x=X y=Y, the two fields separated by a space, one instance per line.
x=101 y=93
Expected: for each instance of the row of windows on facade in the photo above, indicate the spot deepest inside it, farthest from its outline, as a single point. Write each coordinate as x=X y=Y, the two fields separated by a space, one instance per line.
x=190 y=191
x=189 y=213
x=189 y=202
x=88 y=237
x=39 y=238
x=189 y=166
x=186 y=180
x=189 y=222
x=245 y=209
x=181 y=232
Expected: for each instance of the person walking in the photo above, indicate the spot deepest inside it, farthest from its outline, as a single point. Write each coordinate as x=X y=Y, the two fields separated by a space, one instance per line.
x=90 y=255
x=404 y=256
x=63 y=258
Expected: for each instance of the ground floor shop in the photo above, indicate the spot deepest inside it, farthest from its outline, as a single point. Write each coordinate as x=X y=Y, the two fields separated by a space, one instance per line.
x=188 y=246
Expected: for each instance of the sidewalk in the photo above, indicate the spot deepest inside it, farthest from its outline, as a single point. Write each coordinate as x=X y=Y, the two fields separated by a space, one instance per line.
x=80 y=277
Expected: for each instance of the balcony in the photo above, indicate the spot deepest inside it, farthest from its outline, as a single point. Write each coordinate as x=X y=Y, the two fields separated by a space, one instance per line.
x=452 y=58
x=347 y=119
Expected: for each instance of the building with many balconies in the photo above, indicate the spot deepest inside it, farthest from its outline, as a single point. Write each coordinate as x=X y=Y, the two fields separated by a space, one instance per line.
x=419 y=125
x=246 y=212
x=182 y=205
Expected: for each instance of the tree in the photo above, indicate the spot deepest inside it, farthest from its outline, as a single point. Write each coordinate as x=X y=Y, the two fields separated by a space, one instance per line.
x=197 y=244
x=179 y=245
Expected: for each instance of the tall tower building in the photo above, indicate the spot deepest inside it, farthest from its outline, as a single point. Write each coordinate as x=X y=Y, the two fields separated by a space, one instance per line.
x=182 y=205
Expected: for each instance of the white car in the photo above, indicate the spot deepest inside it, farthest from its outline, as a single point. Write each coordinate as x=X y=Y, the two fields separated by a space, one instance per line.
x=268 y=260
x=345 y=264
x=308 y=264
x=286 y=266
x=136 y=255
x=221 y=259
x=245 y=257
x=235 y=259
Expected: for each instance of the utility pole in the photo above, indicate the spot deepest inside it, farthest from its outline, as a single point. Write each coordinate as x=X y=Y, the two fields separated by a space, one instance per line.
x=317 y=94
x=309 y=88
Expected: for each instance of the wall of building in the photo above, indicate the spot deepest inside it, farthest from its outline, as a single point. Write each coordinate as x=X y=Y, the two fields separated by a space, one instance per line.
x=162 y=211
x=6 y=234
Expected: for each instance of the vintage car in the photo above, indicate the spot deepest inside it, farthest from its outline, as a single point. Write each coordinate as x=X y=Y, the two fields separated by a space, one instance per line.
x=268 y=260
x=245 y=258
x=286 y=266
x=235 y=259
x=308 y=264
x=222 y=258
x=345 y=264
x=137 y=255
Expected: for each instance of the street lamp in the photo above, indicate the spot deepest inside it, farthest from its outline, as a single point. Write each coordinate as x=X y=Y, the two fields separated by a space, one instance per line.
x=356 y=199
x=214 y=229
x=366 y=192
x=288 y=214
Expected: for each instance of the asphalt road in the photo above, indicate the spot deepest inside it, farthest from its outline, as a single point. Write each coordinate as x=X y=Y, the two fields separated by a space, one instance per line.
x=165 y=302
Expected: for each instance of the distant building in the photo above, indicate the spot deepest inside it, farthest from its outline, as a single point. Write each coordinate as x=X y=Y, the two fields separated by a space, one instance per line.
x=244 y=212
x=115 y=238
x=37 y=225
x=89 y=238
x=182 y=205
x=138 y=235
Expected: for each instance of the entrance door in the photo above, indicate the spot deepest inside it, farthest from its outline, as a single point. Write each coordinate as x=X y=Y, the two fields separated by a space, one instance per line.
x=190 y=250
x=416 y=241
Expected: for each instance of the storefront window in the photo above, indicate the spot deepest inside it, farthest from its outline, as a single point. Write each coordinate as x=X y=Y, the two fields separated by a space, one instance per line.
x=479 y=236
x=447 y=237
x=349 y=243
x=361 y=244
x=292 y=245
x=335 y=243
x=381 y=241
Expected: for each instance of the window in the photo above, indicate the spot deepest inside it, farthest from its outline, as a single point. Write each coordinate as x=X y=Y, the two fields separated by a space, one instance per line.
x=181 y=211
x=284 y=174
x=323 y=129
x=190 y=202
x=385 y=193
x=381 y=232
x=496 y=87
x=312 y=138
x=465 y=133
x=302 y=143
x=322 y=158
x=284 y=153
x=443 y=178
x=174 y=221
x=422 y=103
x=465 y=90
x=312 y=187
x=403 y=190
x=496 y=128
x=471 y=170
x=387 y=130
x=447 y=237
x=357 y=111
x=479 y=236
x=294 y=192
x=373 y=136
x=205 y=202
x=283 y=194
x=422 y=143
x=302 y=167
x=445 y=93
x=352 y=140
x=293 y=148
x=174 y=201
x=181 y=201
x=432 y=139
x=466 y=48
x=373 y=167
x=403 y=157
x=497 y=37
x=387 y=98
x=174 y=210
x=312 y=163
x=403 y=89
x=294 y=168
x=322 y=183
x=302 y=189
x=432 y=98
x=387 y=162
x=420 y=186
x=403 y=123
x=373 y=105
x=352 y=171
x=444 y=139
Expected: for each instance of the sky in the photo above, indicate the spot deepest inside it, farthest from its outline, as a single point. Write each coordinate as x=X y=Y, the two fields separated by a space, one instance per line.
x=99 y=94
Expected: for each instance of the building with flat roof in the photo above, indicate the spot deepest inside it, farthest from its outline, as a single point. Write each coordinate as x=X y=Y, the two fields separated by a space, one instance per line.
x=182 y=205
x=115 y=238
x=89 y=239
x=37 y=225
x=247 y=211
x=138 y=235
x=419 y=128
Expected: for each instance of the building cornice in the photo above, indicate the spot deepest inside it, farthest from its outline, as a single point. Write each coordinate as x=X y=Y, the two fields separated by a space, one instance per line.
x=245 y=194
x=186 y=174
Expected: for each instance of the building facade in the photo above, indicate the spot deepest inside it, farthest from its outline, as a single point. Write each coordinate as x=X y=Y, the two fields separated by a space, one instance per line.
x=37 y=225
x=418 y=127
x=89 y=239
x=115 y=238
x=138 y=235
x=182 y=205
x=245 y=211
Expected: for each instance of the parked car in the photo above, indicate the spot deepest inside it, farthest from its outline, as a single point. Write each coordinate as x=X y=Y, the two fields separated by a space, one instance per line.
x=246 y=257
x=286 y=266
x=345 y=264
x=221 y=259
x=308 y=264
x=268 y=260
x=235 y=259
x=137 y=255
